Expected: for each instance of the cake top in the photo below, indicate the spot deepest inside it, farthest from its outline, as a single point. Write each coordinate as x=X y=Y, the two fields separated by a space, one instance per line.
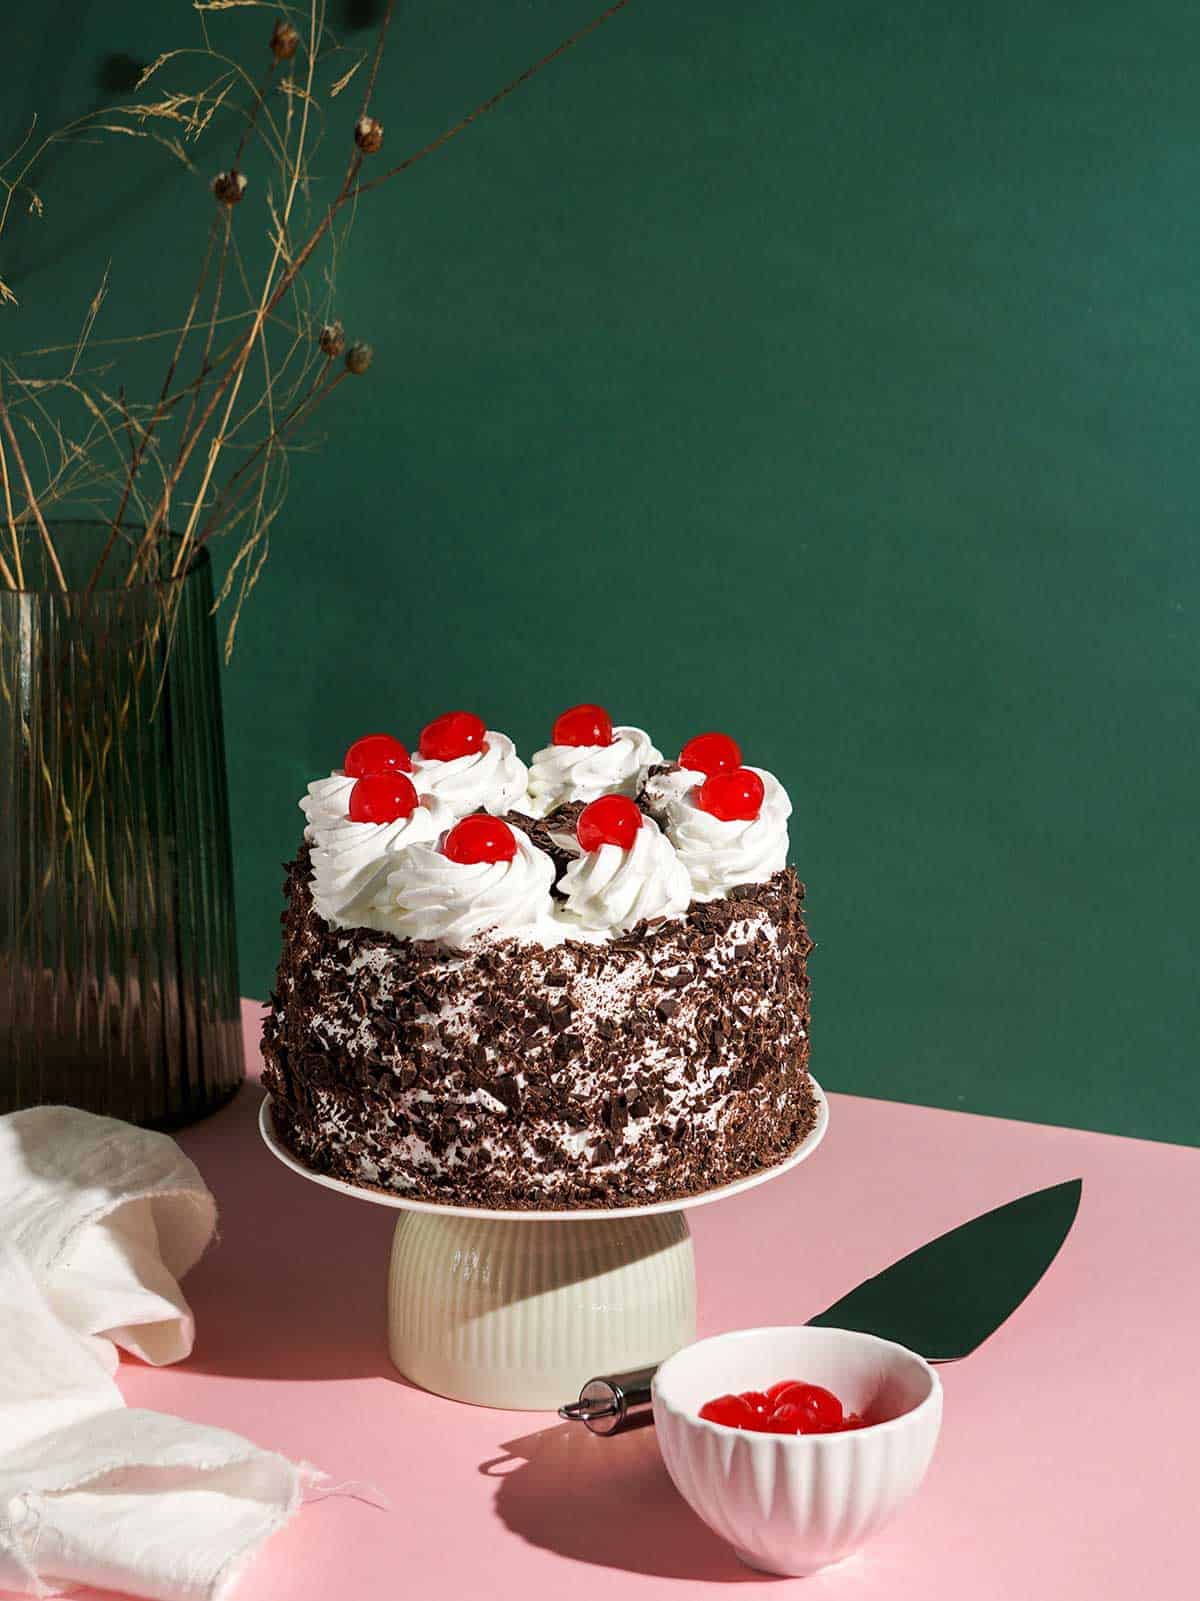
x=446 y=843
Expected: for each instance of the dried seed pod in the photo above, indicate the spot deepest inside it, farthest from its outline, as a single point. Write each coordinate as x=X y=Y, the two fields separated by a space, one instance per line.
x=368 y=135
x=229 y=187
x=359 y=358
x=285 y=41
x=332 y=339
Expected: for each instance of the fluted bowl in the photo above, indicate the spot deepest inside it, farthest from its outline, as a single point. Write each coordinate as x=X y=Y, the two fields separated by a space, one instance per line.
x=795 y=1503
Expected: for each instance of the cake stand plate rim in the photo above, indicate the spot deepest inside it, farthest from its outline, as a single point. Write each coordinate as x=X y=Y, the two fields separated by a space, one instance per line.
x=577 y=1214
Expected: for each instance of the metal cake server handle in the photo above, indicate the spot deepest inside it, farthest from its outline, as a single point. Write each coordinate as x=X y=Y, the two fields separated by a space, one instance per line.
x=612 y=1401
x=942 y=1300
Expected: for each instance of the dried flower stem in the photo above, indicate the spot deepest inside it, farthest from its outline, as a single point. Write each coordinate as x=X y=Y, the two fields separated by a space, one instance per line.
x=209 y=410
x=51 y=553
x=260 y=100
x=490 y=103
x=320 y=389
x=183 y=554
x=376 y=58
x=146 y=544
x=234 y=373
x=214 y=313
x=349 y=190
x=137 y=454
x=10 y=519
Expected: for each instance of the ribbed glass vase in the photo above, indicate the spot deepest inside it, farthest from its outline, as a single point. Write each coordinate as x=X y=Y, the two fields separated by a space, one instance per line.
x=118 y=968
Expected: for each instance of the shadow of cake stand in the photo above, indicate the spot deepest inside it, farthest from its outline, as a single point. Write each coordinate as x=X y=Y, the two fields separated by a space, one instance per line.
x=519 y=1309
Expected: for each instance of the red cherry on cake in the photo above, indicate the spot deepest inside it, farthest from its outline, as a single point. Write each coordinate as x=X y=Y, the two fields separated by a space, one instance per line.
x=376 y=753
x=734 y=797
x=611 y=820
x=480 y=838
x=382 y=798
x=711 y=753
x=583 y=725
x=452 y=735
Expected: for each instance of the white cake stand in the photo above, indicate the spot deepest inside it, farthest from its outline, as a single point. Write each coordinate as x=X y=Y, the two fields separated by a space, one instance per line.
x=520 y=1309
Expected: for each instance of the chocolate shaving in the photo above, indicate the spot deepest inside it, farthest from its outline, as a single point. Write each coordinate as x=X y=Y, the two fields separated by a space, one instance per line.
x=390 y=1060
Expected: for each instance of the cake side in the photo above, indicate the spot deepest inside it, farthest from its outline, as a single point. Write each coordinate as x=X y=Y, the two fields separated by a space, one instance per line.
x=666 y=1061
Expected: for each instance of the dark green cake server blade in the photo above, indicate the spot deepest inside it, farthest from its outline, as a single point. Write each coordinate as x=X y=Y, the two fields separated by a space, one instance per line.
x=946 y=1298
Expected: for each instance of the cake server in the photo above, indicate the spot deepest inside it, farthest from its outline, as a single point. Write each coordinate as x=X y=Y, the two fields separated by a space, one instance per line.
x=942 y=1300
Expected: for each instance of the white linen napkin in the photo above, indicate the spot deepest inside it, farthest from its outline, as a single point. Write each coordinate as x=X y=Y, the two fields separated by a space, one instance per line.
x=98 y=1222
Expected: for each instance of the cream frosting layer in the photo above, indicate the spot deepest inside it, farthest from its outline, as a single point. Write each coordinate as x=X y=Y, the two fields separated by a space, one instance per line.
x=351 y=862
x=431 y=897
x=719 y=855
x=493 y=778
x=359 y=878
x=327 y=800
x=561 y=773
x=611 y=889
x=664 y=790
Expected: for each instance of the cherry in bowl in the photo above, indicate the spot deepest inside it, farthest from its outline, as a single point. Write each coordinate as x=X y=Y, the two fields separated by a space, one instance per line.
x=794 y=1503
x=790 y=1406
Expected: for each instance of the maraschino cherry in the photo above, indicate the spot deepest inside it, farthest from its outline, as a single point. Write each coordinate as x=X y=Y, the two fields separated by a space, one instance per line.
x=711 y=753
x=734 y=797
x=376 y=753
x=611 y=820
x=731 y=1410
x=583 y=725
x=382 y=798
x=452 y=735
x=789 y=1407
x=810 y=1407
x=760 y=1409
x=480 y=838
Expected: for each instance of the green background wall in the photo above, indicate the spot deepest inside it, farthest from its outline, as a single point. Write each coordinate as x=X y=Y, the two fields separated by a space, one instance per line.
x=825 y=372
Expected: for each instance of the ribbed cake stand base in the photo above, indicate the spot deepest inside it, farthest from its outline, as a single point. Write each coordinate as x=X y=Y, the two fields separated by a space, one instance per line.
x=519 y=1309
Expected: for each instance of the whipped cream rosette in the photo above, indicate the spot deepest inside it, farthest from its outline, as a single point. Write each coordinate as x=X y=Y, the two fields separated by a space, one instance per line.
x=359 y=819
x=666 y=789
x=468 y=767
x=722 y=852
x=351 y=862
x=504 y=890
x=596 y=759
x=327 y=800
x=626 y=872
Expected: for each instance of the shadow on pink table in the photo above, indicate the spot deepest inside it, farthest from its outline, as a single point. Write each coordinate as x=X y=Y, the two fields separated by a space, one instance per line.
x=608 y=1503
x=1067 y=1464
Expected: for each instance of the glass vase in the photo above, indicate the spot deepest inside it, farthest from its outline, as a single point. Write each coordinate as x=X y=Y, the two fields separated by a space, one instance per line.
x=118 y=967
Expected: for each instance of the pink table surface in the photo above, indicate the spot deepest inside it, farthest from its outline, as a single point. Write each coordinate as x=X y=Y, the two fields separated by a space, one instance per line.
x=1068 y=1464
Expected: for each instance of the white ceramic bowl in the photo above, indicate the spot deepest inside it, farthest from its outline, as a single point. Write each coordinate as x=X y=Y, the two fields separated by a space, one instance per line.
x=795 y=1503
